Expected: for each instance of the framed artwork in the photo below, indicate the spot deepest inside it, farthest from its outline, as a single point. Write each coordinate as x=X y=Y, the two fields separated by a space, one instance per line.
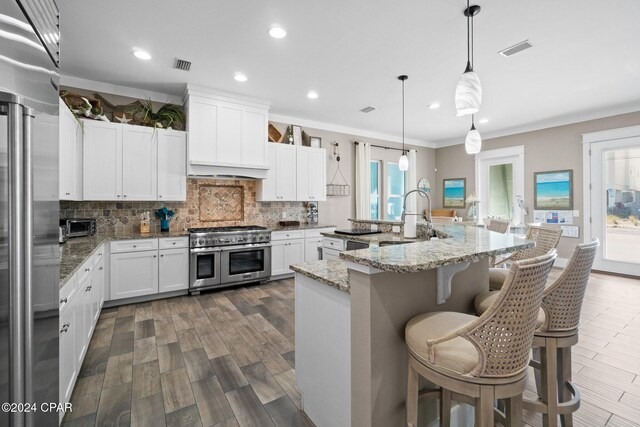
x=553 y=190
x=453 y=192
x=297 y=135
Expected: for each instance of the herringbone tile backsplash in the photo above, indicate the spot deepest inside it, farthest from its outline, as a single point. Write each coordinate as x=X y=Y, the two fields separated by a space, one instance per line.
x=210 y=203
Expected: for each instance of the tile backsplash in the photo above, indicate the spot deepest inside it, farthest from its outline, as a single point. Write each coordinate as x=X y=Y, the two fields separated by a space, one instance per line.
x=123 y=217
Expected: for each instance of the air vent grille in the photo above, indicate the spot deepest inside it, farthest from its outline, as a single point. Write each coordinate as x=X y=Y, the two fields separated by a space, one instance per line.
x=516 y=48
x=368 y=109
x=181 y=64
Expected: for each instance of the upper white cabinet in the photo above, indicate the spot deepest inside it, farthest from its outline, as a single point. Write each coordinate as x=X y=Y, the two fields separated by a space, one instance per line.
x=172 y=165
x=227 y=133
x=310 y=174
x=70 y=157
x=295 y=174
x=125 y=162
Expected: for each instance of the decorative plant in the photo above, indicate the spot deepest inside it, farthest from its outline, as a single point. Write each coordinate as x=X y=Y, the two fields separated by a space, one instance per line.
x=169 y=115
x=164 y=214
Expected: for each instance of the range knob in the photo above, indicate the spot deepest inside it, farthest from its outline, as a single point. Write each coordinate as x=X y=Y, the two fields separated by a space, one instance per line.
x=200 y=242
x=233 y=239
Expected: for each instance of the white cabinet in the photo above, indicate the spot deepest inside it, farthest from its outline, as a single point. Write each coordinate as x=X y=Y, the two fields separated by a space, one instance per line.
x=70 y=155
x=284 y=253
x=225 y=129
x=311 y=249
x=102 y=160
x=280 y=183
x=134 y=274
x=125 y=162
x=172 y=165
x=139 y=163
x=310 y=174
x=67 y=345
x=173 y=270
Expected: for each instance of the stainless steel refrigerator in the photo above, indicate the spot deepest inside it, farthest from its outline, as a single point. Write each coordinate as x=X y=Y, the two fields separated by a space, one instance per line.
x=29 y=252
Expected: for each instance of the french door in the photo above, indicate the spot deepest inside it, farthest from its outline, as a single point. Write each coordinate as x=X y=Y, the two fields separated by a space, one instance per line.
x=614 y=199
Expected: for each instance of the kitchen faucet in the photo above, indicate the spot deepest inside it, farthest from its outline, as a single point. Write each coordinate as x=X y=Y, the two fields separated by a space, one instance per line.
x=404 y=207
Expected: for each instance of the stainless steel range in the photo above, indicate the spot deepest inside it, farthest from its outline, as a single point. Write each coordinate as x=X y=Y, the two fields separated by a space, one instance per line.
x=225 y=256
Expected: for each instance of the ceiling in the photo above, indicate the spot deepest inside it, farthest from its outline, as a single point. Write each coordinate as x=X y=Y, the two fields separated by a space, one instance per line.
x=585 y=61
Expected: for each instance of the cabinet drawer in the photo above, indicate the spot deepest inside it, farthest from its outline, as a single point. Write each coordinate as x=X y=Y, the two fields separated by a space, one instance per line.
x=84 y=271
x=68 y=291
x=317 y=232
x=99 y=255
x=287 y=235
x=133 y=245
x=331 y=243
x=173 y=242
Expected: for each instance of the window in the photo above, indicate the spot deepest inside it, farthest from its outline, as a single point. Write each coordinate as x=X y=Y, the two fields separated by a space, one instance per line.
x=500 y=191
x=374 y=196
x=395 y=191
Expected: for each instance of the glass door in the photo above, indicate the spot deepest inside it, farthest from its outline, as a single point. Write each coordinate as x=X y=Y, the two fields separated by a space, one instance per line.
x=615 y=204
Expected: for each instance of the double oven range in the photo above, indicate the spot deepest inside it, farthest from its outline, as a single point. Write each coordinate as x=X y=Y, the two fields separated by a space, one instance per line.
x=226 y=256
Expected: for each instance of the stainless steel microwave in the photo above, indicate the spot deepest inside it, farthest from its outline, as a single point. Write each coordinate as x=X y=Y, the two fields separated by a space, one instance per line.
x=78 y=227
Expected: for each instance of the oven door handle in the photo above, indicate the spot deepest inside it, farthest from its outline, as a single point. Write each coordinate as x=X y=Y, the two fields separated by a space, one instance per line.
x=249 y=246
x=204 y=251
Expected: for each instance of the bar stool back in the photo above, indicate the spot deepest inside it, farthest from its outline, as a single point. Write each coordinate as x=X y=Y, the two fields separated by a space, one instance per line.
x=498 y=225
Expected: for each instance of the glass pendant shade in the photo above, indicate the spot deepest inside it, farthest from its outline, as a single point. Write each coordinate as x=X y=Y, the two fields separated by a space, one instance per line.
x=473 y=143
x=403 y=162
x=468 y=93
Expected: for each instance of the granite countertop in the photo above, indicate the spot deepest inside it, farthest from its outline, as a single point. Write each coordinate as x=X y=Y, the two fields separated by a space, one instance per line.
x=376 y=221
x=374 y=238
x=462 y=244
x=330 y=272
x=302 y=226
x=76 y=250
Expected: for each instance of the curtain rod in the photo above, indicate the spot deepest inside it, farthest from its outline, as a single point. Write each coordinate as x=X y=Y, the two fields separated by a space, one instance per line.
x=381 y=146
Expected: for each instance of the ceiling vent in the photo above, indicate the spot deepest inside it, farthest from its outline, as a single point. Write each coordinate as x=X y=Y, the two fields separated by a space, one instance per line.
x=516 y=48
x=183 y=65
x=368 y=109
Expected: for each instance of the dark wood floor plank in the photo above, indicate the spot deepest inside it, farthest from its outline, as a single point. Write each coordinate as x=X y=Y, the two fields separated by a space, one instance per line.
x=197 y=364
x=176 y=390
x=170 y=357
x=114 y=408
x=188 y=339
x=121 y=343
x=213 y=345
x=212 y=403
x=148 y=411
x=185 y=417
x=229 y=374
x=86 y=396
x=95 y=361
x=284 y=413
x=119 y=370
x=263 y=383
x=146 y=380
x=144 y=329
x=144 y=350
x=164 y=330
x=181 y=321
x=247 y=408
x=124 y=324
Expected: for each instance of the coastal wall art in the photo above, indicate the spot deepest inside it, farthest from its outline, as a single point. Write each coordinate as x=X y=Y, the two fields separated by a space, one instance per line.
x=553 y=190
x=454 y=192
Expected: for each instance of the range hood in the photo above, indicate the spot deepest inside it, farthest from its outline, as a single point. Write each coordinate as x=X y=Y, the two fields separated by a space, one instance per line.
x=199 y=169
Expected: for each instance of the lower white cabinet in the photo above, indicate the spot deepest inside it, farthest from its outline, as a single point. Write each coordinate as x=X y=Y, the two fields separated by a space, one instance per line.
x=68 y=364
x=284 y=253
x=312 y=247
x=173 y=270
x=134 y=274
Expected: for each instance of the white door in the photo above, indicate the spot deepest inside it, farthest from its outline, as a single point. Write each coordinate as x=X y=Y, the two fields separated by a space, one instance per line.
x=229 y=144
x=254 y=138
x=172 y=172
x=134 y=274
x=615 y=204
x=278 y=258
x=139 y=163
x=311 y=246
x=304 y=170
x=499 y=179
x=173 y=270
x=286 y=173
x=102 y=160
x=68 y=365
x=293 y=253
x=317 y=175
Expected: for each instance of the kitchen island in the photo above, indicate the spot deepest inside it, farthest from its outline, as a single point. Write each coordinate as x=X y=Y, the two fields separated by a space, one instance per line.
x=350 y=318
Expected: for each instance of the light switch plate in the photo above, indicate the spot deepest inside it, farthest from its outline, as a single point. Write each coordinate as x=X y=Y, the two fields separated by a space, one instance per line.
x=576 y=214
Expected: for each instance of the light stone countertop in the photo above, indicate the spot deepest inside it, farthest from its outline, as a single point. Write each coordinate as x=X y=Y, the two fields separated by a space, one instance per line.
x=462 y=244
x=373 y=238
x=302 y=226
x=330 y=272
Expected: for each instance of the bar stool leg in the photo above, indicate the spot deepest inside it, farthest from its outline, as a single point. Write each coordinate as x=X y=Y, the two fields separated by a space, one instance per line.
x=564 y=377
x=484 y=407
x=549 y=383
x=445 y=408
x=412 y=396
x=514 y=411
x=537 y=373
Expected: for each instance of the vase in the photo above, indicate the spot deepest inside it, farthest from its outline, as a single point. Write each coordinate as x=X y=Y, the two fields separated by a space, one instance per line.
x=164 y=225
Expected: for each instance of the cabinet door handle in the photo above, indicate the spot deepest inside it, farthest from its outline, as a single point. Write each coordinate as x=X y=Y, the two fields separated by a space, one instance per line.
x=161 y=256
x=118 y=195
x=125 y=195
x=63 y=300
x=159 y=196
x=65 y=327
x=101 y=268
x=155 y=256
x=135 y=246
x=174 y=243
x=87 y=289
x=87 y=269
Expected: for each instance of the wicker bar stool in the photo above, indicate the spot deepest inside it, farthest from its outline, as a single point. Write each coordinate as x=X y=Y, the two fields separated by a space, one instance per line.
x=477 y=360
x=498 y=225
x=557 y=332
x=546 y=238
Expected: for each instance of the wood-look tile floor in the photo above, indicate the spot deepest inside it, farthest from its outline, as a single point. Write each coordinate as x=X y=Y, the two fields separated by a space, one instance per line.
x=217 y=359
x=227 y=359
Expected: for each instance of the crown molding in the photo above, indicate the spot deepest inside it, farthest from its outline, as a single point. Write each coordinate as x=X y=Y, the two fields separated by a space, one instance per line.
x=131 y=92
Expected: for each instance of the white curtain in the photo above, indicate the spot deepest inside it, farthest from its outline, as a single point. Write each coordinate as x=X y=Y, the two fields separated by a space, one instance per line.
x=412 y=181
x=363 y=181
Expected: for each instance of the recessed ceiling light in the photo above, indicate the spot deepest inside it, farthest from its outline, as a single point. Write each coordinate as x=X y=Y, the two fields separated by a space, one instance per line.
x=483 y=121
x=312 y=94
x=141 y=54
x=240 y=77
x=433 y=106
x=277 y=32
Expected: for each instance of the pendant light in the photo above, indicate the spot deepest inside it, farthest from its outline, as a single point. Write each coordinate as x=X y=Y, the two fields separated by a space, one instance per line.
x=473 y=142
x=403 y=162
x=469 y=89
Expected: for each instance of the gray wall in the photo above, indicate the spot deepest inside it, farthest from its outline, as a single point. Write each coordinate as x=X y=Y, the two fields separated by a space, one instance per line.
x=547 y=149
x=337 y=210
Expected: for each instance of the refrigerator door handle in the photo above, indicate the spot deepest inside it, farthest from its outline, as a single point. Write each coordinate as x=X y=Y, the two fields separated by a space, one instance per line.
x=27 y=121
